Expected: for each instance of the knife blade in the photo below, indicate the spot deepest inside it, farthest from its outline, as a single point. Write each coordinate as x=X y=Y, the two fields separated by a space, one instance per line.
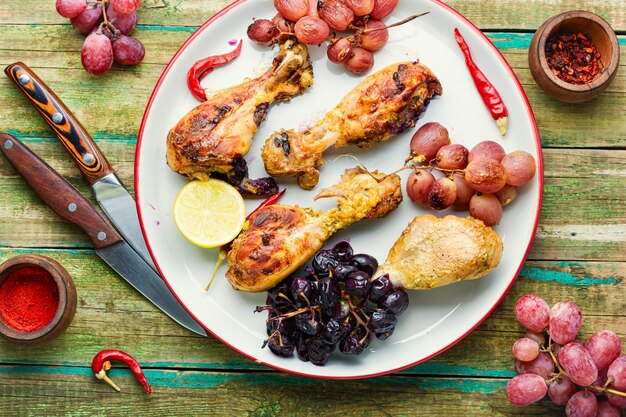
x=107 y=188
x=68 y=203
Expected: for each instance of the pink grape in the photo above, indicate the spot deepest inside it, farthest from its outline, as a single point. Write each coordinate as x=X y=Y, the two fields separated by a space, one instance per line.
x=70 y=8
x=463 y=191
x=606 y=409
x=336 y=14
x=453 y=156
x=537 y=337
x=582 y=404
x=96 y=54
x=506 y=195
x=383 y=8
x=360 y=62
x=339 y=51
x=487 y=149
x=525 y=349
x=428 y=139
x=526 y=389
x=261 y=30
x=292 y=9
x=485 y=175
x=576 y=361
x=442 y=193
x=617 y=371
x=124 y=23
x=283 y=26
x=376 y=39
x=533 y=312
x=360 y=7
x=604 y=347
x=617 y=400
x=486 y=207
x=565 y=321
x=124 y=7
x=542 y=365
x=561 y=389
x=311 y=30
x=418 y=185
x=87 y=20
x=519 y=167
x=128 y=50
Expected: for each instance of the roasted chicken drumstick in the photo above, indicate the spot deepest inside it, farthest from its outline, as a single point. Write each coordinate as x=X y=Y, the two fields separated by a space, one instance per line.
x=385 y=104
x=213 y=138
x=432 y=252
x=279 y=239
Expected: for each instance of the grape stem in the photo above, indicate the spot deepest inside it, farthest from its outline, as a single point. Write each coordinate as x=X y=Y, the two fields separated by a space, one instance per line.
x=107 y=24
x=401 y=22
x=556 y=363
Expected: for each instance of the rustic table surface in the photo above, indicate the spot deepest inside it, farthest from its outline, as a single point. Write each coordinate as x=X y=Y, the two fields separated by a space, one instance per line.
x=579 y=252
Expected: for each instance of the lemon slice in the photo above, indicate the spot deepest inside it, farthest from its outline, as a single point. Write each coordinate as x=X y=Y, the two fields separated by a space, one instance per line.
x=209 y=213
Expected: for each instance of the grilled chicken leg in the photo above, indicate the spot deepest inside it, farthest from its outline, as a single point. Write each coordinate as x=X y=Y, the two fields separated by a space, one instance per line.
x=385 y=104
x=279 y=239
x=432 y=252
x=213 y=138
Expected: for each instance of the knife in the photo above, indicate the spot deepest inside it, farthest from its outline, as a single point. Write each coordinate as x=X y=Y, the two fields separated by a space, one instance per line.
x=68 y=203
x=109 y=191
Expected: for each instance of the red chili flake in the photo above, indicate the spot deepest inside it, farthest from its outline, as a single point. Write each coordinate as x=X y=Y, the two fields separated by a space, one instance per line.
x=573 y=57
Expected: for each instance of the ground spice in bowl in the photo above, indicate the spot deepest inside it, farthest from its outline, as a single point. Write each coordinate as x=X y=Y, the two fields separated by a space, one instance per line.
x=29 y=299
x=573 y=57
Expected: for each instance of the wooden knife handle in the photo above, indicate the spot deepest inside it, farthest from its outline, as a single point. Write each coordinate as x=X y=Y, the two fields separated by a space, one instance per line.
x=72 y=135
x=57 y=193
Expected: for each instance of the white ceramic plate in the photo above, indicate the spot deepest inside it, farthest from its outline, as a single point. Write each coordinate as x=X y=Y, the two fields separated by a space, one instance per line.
x=436 y=319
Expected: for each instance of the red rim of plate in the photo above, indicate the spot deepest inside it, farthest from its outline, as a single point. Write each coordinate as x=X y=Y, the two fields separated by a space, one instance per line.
x=508 y=68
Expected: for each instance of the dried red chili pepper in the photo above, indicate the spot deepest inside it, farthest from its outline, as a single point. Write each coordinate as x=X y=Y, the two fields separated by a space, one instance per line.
x=573 y=57
x=487 y=91
x=102 y=363
x=204 y=66
x=226 y=247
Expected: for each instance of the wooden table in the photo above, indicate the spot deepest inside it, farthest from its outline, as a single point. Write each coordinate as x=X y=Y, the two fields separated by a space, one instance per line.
x=579 y=252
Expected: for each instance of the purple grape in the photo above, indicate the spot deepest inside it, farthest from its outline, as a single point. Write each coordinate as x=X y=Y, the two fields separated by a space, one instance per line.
x=281 y=346
x=87 y=20
x=327 y=293
x=302 y=291
x=343 y=270
x=357 y=284
x=364 y=262
x=380 y=287
x=343 y=250
x=319 y=352
x=395 y=301
x=332 y=332
x=323 y=262
x=302 y=348
x=382 y=321
x=307 y=324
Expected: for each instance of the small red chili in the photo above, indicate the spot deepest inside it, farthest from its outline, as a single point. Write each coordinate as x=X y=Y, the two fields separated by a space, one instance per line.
x=487 y=91
x=204 y=66
x=102 y=363
x=226 y=246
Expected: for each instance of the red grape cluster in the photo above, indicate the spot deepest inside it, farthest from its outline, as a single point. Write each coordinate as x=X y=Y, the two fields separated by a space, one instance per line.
x=484 y=179
x=588 y=378
x=108 y=24
x=335 y=304
x=313 y=21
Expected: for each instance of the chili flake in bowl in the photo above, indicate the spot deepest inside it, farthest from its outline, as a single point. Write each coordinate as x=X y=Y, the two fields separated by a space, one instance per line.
x=574 y=56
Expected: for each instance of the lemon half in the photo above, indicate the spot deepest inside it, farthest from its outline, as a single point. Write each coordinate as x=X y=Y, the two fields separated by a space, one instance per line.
x=209 y=213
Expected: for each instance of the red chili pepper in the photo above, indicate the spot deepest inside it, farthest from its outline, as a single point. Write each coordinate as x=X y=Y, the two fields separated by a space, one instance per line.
x=226 y=247
x=102 y=363
x=487 y=91
x=204 y=66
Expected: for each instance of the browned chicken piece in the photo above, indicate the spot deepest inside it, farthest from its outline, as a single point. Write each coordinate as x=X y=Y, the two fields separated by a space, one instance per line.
x=433 y=251
x=384 y=104
x=279 y=239
x=212 y=139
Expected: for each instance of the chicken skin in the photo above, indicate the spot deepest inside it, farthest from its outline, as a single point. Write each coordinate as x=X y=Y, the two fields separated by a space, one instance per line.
x=212 y=139
x=383 y=105
x=279 y=239
x=433 y=251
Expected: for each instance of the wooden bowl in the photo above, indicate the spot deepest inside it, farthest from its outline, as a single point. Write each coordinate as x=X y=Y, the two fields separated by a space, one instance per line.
x=573 y=22
x=66 y=307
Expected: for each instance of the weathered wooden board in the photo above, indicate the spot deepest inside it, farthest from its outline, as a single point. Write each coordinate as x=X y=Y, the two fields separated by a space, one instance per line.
x=488 y=14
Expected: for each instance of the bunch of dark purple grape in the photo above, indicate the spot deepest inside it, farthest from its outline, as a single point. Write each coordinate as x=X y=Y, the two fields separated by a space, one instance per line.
x=334 y=304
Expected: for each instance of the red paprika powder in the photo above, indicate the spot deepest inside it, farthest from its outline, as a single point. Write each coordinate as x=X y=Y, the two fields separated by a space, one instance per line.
x=29 y=298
